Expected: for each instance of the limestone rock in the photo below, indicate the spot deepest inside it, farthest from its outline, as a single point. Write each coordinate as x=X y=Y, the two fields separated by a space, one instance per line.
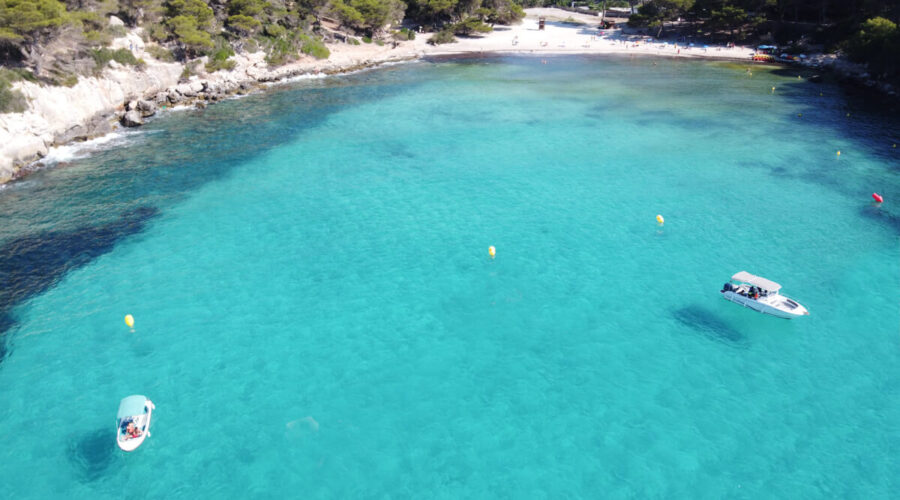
x=101 y=127
x=146 y=108
x=186 y=90
x=75 y=133
x=20 y=149
x=6 y=170
x=133 y=119
x=115 y=21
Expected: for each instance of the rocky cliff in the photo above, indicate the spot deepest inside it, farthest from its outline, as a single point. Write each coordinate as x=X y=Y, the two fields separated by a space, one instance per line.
x=90 y=108
x=124 y=96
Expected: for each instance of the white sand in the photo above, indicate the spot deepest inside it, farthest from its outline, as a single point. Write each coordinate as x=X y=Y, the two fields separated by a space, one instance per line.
x=525 y=38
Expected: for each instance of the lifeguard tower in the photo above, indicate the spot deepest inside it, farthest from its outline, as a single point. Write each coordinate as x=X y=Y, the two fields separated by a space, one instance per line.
x=541 y=22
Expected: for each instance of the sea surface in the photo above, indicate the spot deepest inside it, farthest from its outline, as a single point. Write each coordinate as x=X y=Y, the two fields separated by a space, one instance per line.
x=317 y=315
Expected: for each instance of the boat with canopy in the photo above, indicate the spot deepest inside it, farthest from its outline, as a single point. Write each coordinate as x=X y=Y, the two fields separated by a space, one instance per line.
x=133 y=421
x=761 y=295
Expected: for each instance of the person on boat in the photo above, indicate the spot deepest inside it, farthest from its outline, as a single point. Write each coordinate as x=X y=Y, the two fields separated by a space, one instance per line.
x=754 y=292
x=132 y=431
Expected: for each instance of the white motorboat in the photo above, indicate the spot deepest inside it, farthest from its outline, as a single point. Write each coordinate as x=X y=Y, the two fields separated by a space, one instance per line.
x=761 y=295
x=133 y=422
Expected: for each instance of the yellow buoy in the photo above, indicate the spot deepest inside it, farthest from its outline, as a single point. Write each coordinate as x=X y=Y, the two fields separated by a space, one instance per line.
x=129 y=320
x=773 y=89
x=492 y=251
x=659 y=218
x=839 y=153
x=848 y=115
x=800 y=115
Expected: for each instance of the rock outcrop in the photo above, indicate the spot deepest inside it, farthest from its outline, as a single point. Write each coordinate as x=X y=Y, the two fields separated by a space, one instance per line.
x=133 y=118
x=57 y=115
x=125 y=96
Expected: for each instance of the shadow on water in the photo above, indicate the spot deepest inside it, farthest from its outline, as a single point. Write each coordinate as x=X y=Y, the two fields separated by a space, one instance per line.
x=710 y=326
x=92 y=454
x=176 y=155
x=878 y=214
x=32 y=264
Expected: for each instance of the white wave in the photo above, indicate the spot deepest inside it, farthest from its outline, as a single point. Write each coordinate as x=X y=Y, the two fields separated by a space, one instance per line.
x=177 y=107
x=76 y=150
x=297 y=78
x=19 y=184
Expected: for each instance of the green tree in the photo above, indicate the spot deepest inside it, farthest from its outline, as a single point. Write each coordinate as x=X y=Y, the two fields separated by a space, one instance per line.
x=432 y=11
x=23 y=22
x=202 y=14
x=243 y=25
x=655 y=13
x=368 y=15
x=250 y=8
x=470 y=26
x=503 y=12
x=346 y=14
x=379 y=13
x=187 y=33
x=878 y=44
x=727 y=18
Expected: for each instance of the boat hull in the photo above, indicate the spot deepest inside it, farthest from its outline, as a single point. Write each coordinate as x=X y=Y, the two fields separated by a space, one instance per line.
x=142 y=422
x=776 y=305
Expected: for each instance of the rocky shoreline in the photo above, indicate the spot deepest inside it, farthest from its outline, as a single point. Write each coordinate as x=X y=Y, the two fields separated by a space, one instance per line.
x=125 y=97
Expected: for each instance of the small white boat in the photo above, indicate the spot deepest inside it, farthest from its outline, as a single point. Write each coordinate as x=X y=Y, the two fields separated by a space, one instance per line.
x=133 y=422
x=761 y=295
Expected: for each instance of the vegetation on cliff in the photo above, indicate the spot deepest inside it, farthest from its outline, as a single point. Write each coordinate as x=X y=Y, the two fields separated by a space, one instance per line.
x=866 y=30
x=59 y=41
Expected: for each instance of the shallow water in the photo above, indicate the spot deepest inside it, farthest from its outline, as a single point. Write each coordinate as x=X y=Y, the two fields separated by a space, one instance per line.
x=316 y=310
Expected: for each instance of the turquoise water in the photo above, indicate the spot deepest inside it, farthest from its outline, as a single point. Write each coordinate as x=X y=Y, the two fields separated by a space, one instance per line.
x=317 y=315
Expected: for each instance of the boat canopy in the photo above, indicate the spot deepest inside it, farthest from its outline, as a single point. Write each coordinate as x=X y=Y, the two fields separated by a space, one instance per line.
x=131 y=406
x=763 y=283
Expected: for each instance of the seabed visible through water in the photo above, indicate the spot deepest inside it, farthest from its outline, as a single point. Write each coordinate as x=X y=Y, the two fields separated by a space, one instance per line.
x=316 y=310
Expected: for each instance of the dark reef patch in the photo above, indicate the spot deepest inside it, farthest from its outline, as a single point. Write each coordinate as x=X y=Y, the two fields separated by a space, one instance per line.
x=881 y=216
x=32 y=264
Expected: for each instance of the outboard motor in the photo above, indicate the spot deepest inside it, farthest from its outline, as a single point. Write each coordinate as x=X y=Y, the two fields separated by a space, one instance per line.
x=726 y=287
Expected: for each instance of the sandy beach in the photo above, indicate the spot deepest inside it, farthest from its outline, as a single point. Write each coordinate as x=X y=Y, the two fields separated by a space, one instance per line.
x=560 y=36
